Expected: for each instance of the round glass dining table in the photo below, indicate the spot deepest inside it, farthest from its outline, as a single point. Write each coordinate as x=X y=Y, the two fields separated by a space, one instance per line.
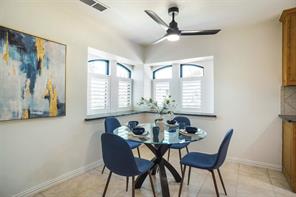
x=159 y=142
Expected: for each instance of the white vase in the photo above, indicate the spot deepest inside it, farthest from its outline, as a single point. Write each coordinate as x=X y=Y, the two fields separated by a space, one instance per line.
x=159 y=121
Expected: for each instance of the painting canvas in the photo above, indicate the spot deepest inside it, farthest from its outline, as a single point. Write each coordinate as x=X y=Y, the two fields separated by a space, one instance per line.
x=32 y=76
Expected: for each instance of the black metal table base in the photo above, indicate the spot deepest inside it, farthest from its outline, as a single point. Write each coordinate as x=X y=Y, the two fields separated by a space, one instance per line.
x=160 y=163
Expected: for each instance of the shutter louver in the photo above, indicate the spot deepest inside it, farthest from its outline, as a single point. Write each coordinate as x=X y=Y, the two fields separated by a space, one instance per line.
x=124 y=93
x=191 y=94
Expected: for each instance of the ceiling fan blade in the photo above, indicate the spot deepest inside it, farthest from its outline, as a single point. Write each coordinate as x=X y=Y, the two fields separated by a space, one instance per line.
x=157 y=19
x=160 y=39
x=201 y=32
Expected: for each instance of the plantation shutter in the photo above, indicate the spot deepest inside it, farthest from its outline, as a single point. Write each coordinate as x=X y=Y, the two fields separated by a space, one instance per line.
x=192 y=94
x=161 y=90
x=124 y=93
x=98 y=94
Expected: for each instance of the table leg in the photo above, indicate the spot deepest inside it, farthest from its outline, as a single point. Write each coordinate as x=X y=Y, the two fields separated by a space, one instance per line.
x=163 y=180
x=161 y=163
x=154 y=170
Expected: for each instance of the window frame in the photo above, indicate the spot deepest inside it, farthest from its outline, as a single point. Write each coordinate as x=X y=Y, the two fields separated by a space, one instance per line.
x=126 y=68
x=178 y=82
x=154 y=80
x=106 y=77
x=103 y=60
x=160 y=68
x=192 y=78
x=194 y=65
x=131 y=86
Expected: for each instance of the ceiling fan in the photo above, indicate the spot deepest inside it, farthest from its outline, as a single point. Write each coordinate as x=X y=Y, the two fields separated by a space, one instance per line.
x=173 y=32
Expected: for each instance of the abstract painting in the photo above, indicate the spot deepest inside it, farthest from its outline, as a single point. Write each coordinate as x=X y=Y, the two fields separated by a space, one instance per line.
x=32 y=76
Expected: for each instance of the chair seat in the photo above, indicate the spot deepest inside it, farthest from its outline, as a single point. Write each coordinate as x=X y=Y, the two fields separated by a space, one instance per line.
x=143 y=164
x=179 y=145
x=199 y=160
x=133 y=144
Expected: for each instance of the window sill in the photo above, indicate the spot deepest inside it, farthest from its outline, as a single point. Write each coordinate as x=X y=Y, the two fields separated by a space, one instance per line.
x=115 y=114
x=190 y=114
x=133 y=112
x=196 y=114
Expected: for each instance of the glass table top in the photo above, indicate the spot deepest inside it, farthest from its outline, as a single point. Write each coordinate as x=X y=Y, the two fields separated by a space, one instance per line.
x=163 y=137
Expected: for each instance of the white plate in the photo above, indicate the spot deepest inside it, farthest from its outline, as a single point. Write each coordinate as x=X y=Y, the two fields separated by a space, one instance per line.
x=184 y=132
x=143 y=134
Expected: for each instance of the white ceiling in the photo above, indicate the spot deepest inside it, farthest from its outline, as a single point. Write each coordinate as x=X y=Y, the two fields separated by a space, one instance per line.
x=128 y=17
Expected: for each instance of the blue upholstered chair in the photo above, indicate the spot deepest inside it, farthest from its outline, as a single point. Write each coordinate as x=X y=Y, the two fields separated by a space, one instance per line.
x=208 y=162
x=120 y=160
x=112 y=123
x=186 y=121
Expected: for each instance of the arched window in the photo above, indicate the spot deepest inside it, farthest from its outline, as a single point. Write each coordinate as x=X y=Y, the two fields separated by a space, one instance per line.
x=123 y=71
x=161 y=82
x=191 y=70
x=98 y=66
x=164 y=72
x=192 y=86
x=98 y=86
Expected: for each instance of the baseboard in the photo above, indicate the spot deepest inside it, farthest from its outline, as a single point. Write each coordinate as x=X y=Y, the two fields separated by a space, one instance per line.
x=57 y=180
x=255 y=163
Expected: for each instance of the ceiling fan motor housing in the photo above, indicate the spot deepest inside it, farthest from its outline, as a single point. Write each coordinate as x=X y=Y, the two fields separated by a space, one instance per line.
x=173 y=10
x=173 y=31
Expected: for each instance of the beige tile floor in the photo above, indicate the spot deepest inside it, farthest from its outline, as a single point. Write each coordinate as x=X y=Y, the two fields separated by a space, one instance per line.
x=240 y=180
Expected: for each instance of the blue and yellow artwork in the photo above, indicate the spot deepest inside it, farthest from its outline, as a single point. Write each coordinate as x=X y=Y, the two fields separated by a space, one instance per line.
x=32 y=76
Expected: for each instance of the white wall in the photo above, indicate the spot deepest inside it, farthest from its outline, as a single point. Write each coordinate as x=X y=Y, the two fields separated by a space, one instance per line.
x=247 y=80
x=35 y=151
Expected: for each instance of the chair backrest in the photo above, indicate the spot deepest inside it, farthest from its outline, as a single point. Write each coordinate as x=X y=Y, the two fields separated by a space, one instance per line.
x=184 y=119
x=221 y=155
x=111 y=123
x=118 y=156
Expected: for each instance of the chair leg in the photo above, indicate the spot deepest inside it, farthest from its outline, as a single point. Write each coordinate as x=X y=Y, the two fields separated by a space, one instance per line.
x=180 y=156
x=169 y=152
x=189 y=172
x=215 y=183
x=187 y=149
x=126 y=187
x=139 y=152
x=182 y=180
x=106 y=187
x=152 y=186
x=133 y=186
x=103 y=169
x=222 y=181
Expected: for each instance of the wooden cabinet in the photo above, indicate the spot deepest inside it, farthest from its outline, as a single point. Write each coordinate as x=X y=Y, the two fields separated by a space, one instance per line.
x=289 y=153
x=288 y=20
